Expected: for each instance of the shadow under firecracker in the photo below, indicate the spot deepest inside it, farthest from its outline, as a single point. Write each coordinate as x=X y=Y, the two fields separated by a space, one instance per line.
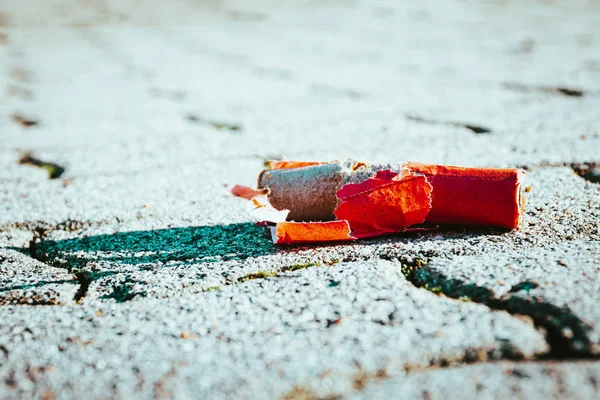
x=193 y=244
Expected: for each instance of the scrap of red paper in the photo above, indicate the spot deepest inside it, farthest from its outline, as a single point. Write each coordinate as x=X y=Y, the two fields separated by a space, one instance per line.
x=385 y=203
x=245 y=192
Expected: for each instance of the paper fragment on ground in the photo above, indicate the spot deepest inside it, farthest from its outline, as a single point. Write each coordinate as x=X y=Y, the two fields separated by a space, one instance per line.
x=245 y=192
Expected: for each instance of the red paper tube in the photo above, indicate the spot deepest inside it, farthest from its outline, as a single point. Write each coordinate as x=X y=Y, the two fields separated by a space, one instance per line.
x=473 y=196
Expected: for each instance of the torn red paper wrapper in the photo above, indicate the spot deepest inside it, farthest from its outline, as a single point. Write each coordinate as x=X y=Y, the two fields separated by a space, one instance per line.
x=349 y=200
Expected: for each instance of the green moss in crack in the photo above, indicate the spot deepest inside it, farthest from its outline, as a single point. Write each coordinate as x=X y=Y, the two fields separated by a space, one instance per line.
x=408 y=269
x=211 y=288
x=224 y=126
x=257 y=275
x=296 y=267
x=54 y=170
x=433 y=289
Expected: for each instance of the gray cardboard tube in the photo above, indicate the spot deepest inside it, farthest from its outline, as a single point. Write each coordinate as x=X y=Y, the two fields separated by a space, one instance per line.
x=309 y=192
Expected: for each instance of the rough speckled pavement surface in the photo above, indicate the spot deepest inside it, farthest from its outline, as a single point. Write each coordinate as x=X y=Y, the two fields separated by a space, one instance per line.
x=127 y=270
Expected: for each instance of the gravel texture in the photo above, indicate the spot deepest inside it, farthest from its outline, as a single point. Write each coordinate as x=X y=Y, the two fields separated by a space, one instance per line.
x=128 y=270
x=568 y=380
x=316 y=327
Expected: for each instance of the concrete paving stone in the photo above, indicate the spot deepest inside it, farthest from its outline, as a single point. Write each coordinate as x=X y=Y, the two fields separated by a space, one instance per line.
x=441 y=67
x=156 y=194
x=561 y=207
x=150 y=110
x=558 y=286
x=24 y=280
x=540 y=380
x=316 y=328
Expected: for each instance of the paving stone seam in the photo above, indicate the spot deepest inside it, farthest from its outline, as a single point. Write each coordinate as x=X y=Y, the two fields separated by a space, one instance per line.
x=414 y=268
x=565 y=333
x=588 y=170
x=543 y=314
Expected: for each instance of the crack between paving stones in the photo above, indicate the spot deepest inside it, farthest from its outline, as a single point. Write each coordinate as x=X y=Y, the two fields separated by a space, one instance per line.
x=54 y=170
x=564 y=343
x=41 y=229
x=554 y=90
x=588 y=170
x=36 y=285
x=476 y=129
x=84 y=283
x=417 y=274
x=363 y=379
x=547 y=317
x=565 y=333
